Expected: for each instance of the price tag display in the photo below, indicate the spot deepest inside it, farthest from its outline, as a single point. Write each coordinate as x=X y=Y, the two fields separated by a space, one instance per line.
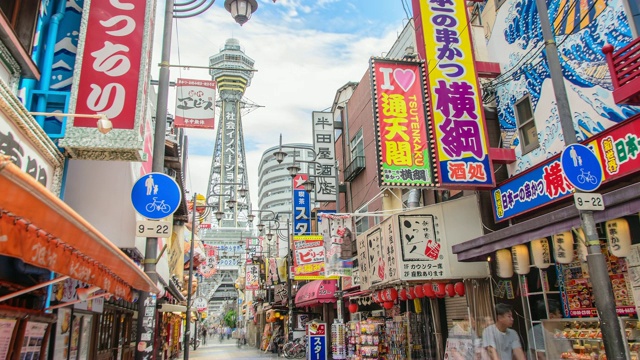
x=150 y=228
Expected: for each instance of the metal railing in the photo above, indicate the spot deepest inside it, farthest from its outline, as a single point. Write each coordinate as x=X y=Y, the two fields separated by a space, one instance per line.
x=355 y=167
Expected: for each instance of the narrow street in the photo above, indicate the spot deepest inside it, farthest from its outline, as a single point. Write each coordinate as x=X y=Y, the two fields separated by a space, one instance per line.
x=228 y=350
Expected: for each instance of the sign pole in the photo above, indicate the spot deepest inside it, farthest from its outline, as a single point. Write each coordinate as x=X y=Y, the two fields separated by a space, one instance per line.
x=187 y=329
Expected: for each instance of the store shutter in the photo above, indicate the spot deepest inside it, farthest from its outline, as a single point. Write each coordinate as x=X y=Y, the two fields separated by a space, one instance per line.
x=456 y=308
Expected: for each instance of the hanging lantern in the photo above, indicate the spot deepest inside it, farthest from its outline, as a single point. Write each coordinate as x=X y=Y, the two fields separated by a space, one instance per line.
x=427 y=289
x=417 y=306
x=563 y=247
x=353 y=307
x=418 y=291
x=388 y=304
x=582 y=245
x=411 y=293
x=459 y=288
x=504 y=265
x=450 y=290
x=618 y=237
x=440 y=290
x=520 y=256
x=393 y=294
x=541 y=253
x=403 y=294
x=382 y=296
x=375 y=297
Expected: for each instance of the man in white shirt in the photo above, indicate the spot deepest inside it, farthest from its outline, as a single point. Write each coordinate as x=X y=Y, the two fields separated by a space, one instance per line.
x=500 y=341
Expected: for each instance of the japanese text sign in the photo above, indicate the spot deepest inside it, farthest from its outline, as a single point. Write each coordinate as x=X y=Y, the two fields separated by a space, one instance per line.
x=456 y=108
x=400 y=121
x=617 y=149
x=317 y=346
x=309 y=257
x=323 y=145
x=302 y=206
x=195 y=104
x=110 y=76
x=339 y=242
x=252 y=277
x=422 y=253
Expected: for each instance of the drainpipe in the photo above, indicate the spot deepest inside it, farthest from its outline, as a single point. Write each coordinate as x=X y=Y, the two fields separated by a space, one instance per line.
x=414 y=198
x=47 y=60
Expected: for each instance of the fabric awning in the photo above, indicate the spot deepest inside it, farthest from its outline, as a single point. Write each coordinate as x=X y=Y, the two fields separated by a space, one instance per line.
x=316 y=292
x=42 y=230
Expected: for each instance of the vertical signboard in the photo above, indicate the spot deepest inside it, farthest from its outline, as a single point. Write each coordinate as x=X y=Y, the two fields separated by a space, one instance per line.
x=317 y=345
x=457 y=116
x=195 y=104
x=420 y=248
x=252 y=277
x=109 y=79
x=323 y=145
x=301 y=206
x=400 y=120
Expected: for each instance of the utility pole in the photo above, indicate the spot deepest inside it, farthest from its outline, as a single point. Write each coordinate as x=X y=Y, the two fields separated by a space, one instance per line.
x=600 y=281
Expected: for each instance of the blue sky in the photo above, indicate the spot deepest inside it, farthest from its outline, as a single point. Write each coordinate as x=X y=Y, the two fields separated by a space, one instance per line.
x=304 y=51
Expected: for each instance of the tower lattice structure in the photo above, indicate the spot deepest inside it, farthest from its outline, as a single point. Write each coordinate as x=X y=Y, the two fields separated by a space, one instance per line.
x=232 y=69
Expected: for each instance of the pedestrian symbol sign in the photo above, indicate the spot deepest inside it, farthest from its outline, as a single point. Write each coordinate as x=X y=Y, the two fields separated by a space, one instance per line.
x=156 y=196
x=581 y=167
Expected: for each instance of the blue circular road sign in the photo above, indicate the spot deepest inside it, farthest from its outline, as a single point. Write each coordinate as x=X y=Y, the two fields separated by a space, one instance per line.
x=156 y=196
x=581 y=167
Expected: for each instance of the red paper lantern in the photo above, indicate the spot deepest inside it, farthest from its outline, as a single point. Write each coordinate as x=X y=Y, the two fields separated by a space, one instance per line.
x=459 y=288
x=393 y=294
x=353 y=307
x=427 y=289
x=388 y=304
x=383 y=296
x=375 y=297
x=403 y=295
x=439 y=290
x=411 y=294
x=418 y=291
x=450 y=290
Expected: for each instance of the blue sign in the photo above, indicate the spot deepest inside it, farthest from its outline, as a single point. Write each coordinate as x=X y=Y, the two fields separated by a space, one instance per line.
x=317 y=347
x=301 y=206
x=581 y=167
x=156 y=196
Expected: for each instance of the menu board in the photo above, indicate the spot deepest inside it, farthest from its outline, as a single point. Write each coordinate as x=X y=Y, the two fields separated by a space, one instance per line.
x=6 y=332
x=577 y=291
x=33 y=338
x=633 y=263
x=63 y=326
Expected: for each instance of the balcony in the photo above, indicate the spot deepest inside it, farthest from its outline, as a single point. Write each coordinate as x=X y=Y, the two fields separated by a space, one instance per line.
x=624 y=66
x=355 y=168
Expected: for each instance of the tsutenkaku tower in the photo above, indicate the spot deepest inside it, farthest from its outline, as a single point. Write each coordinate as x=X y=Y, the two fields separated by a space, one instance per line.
x=232 y=70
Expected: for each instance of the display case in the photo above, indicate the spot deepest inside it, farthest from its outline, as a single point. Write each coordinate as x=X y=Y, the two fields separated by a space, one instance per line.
x=582 y=338
x=370 y=341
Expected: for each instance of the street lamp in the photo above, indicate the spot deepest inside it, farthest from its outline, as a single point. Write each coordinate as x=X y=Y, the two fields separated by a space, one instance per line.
x=241 y=10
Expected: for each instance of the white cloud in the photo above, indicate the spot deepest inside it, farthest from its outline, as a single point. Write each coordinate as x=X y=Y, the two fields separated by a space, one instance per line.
x=298 y=71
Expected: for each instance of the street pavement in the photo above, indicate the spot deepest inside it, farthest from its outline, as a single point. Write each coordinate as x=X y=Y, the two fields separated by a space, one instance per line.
x=228 y=349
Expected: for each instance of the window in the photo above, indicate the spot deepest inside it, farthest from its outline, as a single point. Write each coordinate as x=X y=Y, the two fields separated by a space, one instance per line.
x=21 y=16
x=527 y=132
x=362 y=223
x=357 y=145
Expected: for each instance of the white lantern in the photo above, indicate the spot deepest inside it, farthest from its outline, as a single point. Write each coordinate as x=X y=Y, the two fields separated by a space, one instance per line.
x=520 y=255
x=618 y=237
x=563 y=247
x=504 y=266
x=541 y=253
x=582 y=245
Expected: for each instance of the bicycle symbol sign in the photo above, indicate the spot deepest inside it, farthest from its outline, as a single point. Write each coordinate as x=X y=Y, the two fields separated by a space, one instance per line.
x=581 y=167
x=156 y=196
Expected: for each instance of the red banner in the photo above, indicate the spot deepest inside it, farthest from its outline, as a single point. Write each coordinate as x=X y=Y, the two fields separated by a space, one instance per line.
x=618 y=149
x=111 y=59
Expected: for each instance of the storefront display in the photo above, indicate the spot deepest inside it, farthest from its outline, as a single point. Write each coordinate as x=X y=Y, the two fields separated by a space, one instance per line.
x=338 y=341
x=369 y=339
x=397 y=335
x=582 y=339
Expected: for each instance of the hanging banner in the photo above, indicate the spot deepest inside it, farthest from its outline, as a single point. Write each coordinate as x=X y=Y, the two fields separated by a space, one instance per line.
x=195 y=104
x=252 y=277
x=302 y=206
x=339 y=243
x=208 y=267
x=323 y=145
x=457 y=116
x=399 y=107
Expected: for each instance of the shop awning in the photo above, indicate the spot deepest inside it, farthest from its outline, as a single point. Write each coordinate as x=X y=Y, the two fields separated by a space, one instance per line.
x=42 y=230
x=172 y=308
x=618 y=203
x=316 y=292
